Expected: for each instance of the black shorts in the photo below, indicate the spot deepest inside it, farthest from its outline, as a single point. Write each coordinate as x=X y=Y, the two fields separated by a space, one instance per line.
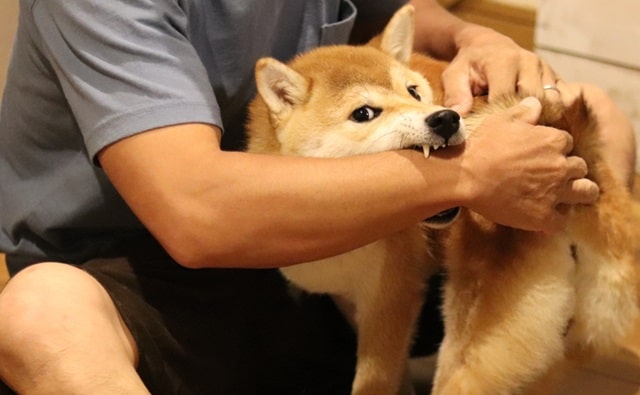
x=228 y=331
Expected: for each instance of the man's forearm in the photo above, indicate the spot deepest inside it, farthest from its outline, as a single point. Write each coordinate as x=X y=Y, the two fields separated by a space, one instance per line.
x=436 y=29
x=213 y=208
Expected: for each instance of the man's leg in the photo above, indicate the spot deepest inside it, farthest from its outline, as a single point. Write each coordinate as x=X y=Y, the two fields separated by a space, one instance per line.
x=60 y=333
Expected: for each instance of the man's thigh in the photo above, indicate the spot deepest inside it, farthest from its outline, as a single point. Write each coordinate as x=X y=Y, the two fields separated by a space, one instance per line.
x=226 y=331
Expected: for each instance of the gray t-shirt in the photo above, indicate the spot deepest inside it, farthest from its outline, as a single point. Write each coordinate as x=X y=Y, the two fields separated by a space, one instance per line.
x=87 y=73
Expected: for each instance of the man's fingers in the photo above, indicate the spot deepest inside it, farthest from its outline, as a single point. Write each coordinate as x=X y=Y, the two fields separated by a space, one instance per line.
x=457 y=89
x=580 y=191
x=549 y=81
x=531 y=79
x=577 y=167
x=567 y=145
x=501 y=80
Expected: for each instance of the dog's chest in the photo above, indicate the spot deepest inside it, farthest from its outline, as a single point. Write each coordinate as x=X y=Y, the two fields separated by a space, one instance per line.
x=344 y=274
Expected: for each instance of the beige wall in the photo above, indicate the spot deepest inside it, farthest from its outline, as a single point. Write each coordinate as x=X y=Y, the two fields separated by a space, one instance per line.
x=595 y=41
x=515 y=18
x=8 y=22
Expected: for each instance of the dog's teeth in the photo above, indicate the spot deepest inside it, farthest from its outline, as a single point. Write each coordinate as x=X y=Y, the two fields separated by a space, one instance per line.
x=426 y=149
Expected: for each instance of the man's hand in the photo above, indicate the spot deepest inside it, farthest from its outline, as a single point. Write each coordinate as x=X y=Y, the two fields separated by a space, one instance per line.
x=489 y=62
x=520 y=173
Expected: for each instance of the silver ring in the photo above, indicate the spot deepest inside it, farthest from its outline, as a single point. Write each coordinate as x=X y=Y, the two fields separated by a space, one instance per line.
x=552 y=87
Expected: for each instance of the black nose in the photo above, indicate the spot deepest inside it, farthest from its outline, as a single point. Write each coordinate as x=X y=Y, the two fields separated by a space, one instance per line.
x=444 y=123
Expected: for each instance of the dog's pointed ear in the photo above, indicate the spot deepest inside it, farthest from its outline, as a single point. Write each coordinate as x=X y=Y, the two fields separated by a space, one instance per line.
x=397 y=38
x=280 y=86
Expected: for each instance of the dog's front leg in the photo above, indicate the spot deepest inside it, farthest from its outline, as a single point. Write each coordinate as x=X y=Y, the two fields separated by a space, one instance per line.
x=385 y=319
x=385 y=330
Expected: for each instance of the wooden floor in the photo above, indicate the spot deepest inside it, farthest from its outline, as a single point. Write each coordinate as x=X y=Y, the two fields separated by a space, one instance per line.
x=618 y=375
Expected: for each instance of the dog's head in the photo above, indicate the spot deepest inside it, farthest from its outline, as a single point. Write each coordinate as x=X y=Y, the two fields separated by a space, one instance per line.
x=347 y=100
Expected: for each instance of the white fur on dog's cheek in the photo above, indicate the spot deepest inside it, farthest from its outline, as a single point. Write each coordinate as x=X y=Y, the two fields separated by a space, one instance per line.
x=346 y=141
x=330 y=146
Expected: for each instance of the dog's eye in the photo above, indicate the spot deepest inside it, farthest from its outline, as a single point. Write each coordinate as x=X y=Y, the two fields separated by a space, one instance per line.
x=364 y=114
x=413 y=91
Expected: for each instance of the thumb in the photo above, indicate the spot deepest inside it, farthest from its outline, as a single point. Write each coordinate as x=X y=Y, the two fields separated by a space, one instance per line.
x=528 y=110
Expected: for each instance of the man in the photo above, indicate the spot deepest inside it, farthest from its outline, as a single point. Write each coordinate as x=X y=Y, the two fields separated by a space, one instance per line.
x=115 y=189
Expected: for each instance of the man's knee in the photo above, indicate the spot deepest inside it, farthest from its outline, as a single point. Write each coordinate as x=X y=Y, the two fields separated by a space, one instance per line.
x=40 y=298
x=50 y=315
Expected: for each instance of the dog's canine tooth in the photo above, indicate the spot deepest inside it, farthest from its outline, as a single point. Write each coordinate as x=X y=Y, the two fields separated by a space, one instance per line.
x=426 y=149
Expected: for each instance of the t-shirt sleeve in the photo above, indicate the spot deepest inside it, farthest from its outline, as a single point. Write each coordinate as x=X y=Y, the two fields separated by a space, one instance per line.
x=125 y=66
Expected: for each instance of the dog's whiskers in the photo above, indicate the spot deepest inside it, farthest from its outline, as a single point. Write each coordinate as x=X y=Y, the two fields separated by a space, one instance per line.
x=368 y=149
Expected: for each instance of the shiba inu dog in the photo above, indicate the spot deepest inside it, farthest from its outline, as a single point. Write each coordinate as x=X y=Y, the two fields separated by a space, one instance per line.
x=332 y=102
x=516 y=303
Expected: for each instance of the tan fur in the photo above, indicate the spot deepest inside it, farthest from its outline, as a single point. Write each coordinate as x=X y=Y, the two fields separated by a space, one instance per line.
x=517 y=304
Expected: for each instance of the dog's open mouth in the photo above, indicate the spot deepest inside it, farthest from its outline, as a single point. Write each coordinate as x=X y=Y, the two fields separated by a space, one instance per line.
x=426 y=149
x=443 y=218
